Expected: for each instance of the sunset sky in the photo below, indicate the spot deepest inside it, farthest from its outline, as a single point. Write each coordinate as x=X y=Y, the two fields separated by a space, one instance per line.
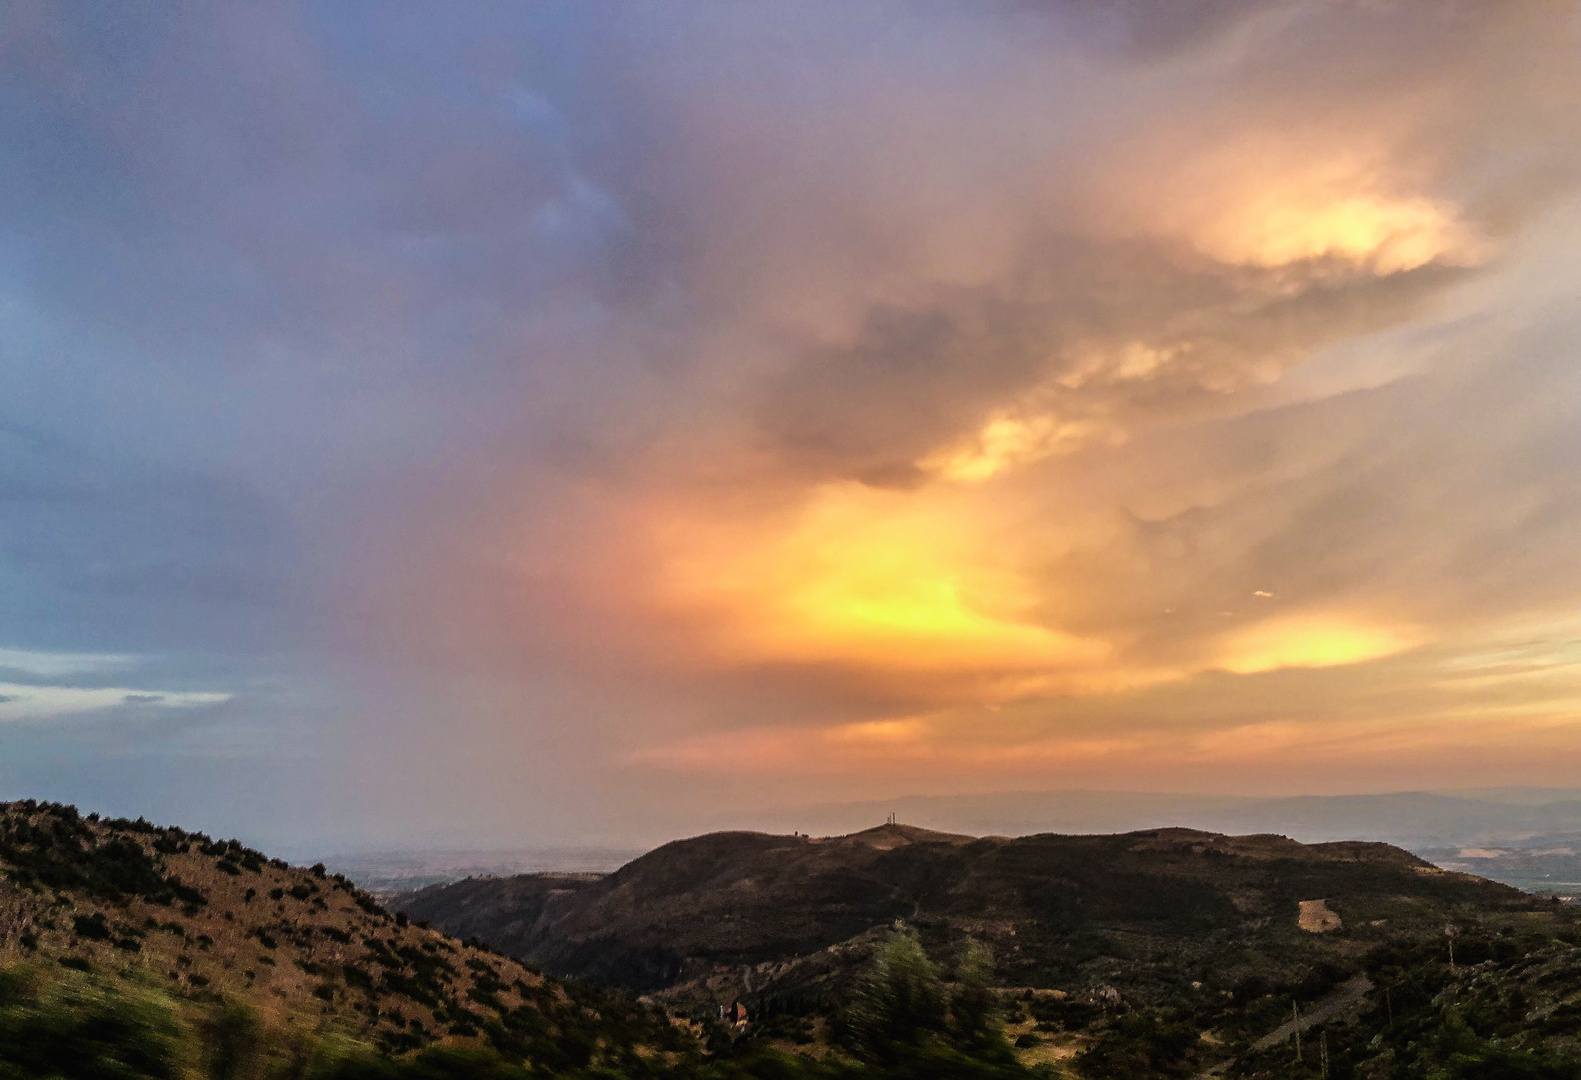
x=571 y=422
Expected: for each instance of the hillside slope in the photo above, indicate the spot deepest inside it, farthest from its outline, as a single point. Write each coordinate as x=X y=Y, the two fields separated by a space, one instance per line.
x=207 y=922
x=732 y=914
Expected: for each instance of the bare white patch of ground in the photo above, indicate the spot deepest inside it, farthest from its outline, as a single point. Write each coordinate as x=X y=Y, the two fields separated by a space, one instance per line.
x=1316 y=918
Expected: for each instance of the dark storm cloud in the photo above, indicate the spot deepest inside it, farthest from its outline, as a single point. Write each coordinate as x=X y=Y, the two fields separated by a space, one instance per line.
x=251 y=227
x=113 y=554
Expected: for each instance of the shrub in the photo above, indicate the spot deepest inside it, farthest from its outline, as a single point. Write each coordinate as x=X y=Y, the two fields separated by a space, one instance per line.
x=91 y=927
x=234 y=1041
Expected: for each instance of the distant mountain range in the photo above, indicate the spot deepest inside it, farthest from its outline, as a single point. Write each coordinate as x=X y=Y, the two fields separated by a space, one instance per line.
x=1526 y=837
x=1409 y=819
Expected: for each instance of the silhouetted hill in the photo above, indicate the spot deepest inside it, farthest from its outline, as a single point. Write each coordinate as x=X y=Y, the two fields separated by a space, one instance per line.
x=733 y=914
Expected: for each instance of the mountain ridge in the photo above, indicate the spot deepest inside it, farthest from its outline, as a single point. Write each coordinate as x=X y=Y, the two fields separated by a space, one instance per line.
x=679 y=920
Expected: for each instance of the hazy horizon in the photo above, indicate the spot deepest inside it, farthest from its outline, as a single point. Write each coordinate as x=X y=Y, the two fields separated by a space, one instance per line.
x=563 y=424
x=1417 y=820
x=1526 y=837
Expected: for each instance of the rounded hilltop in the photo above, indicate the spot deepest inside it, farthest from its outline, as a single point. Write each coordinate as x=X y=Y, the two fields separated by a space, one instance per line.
x=698 y=920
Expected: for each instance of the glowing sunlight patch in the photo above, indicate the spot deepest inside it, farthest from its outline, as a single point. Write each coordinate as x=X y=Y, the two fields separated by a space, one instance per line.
x=878 y=732
x=896 y=580
x=1270 y=201
x=1391 y=235
x=1312 y=641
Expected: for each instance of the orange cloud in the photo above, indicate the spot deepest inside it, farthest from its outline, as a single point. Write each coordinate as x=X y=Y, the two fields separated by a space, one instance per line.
x=877 y=746
x=1007 y=441
x=897 y=581
x=1115 y=316
x=1268 y=200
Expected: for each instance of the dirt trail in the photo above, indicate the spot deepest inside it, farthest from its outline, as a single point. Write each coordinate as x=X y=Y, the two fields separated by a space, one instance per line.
x=1347 y=996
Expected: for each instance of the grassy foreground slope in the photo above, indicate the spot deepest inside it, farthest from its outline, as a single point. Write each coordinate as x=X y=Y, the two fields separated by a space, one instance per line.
x=176 y=925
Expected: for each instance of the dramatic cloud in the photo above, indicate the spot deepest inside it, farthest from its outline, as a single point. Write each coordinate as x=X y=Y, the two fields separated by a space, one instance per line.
x=548 y=412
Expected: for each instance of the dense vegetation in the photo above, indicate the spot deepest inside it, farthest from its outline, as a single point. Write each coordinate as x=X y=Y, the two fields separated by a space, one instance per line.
x=71 y=1025
x=1509 y=1010
x=59 y=849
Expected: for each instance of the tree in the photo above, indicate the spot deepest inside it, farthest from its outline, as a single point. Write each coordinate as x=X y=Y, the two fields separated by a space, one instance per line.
x=973 y=1006
x=900 y=999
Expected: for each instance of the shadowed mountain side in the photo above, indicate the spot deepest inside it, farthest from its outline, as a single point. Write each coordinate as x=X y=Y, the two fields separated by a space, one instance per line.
x=732 y=913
